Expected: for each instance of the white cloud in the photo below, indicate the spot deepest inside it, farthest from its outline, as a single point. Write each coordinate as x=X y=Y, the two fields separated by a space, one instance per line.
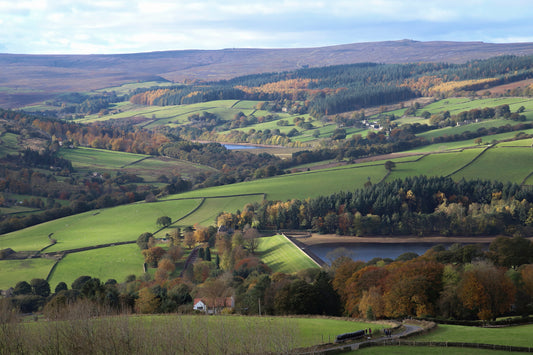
x=111 y=26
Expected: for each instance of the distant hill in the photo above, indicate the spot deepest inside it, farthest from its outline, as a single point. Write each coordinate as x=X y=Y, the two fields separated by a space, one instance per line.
x=32 y=78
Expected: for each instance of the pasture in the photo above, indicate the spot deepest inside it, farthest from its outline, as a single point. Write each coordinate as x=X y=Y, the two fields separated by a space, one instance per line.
x=500 y=163
x=440 y=164
x=88 y=160
x=516 y=335
x=209 y=210
x=116 y=224
x=283 y=256
x=189 y=334
x=14 y=271
x=298 y=185
x=460 y=104
x=306 y=331
x=114 y=262
x=423 y=350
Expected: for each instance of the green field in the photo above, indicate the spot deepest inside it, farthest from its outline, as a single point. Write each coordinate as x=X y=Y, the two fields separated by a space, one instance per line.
x=88 y=160
x=283 y=256
x=440 y=164
x=517 y=335
x=473 y=127
x=298 y=185
x=100 y=158
x=8 y=143
x=115 y=262
x=206 y=215
x=117 y=224
x=14 y=271
x=423 y=350
x=129 y=87
x=460 y=104
x=500 y=163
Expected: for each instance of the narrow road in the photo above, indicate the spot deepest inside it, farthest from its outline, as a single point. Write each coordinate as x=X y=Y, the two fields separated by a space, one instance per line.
x=406 y=330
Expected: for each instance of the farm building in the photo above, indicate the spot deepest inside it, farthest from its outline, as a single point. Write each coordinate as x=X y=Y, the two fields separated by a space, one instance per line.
x=211 y=306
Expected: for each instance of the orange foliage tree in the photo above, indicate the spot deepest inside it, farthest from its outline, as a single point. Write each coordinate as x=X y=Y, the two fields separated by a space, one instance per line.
x=487 y=290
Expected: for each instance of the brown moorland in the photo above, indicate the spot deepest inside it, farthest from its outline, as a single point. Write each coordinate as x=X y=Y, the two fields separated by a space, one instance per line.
x=27 y=79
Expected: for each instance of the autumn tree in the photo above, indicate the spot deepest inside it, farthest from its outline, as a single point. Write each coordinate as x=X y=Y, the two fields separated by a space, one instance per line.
x=153 y=255
x=175 y=253
x=164 y=269
x=148 y=302
x=486 y=290
x=201 y=234
x=251 y=239
x=189 y=239
x=412 y=288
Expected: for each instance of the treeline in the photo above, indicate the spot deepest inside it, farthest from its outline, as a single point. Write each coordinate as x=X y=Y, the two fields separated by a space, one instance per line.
x=414 y=206
x=459 y=283
x=233 y=166
x=341 y=88
x=502 y=111
x=462 y=282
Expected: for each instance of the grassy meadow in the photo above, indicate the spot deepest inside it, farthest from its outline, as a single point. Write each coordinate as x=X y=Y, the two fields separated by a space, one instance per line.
x=283 y=256
x=14 y=271
x=423 y=350
x=88 y=160
x=516 y=335
x=116 y=224
x=500 y=163
x=114 y=262
x=208 y=212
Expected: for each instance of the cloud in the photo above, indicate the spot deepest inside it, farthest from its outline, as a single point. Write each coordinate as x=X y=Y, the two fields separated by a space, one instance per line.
x=117 y=26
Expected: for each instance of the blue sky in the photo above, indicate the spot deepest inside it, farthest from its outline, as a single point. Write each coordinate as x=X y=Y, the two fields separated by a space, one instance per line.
x=126 y=26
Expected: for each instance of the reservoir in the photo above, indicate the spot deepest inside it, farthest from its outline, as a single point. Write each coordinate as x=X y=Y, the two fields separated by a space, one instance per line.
x=367 y=251
x=239 y=146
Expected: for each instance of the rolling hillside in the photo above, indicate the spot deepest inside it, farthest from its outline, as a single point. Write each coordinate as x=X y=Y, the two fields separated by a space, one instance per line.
x=33 y=78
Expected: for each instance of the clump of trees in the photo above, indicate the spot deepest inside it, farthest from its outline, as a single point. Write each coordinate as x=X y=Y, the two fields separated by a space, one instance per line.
x=414 y=206
x=459 y=283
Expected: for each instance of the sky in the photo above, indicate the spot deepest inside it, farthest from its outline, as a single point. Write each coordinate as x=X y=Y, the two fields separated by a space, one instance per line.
x=128 y=26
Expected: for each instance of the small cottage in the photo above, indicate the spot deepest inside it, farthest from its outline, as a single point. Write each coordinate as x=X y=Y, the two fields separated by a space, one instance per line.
x=213 y=306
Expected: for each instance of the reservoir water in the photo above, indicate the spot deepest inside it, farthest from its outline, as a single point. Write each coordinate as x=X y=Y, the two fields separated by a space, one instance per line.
x=368 y=251
x=238 y=146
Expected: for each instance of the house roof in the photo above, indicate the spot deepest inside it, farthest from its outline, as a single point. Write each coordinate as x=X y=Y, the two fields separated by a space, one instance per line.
x=217 y=302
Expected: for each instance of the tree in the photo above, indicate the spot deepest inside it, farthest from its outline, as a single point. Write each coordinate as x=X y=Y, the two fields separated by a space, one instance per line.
x=164 y=221
x=153 y=255
x=251 y=239
x=511 y=252
x=22 y=288
x=60 y=287
x=79 y=282
x=40 y=287
x=389 y=165
x=143 y=240
x=486 y=290
x=189 y=239
x=148 y=302
x=478 y=141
